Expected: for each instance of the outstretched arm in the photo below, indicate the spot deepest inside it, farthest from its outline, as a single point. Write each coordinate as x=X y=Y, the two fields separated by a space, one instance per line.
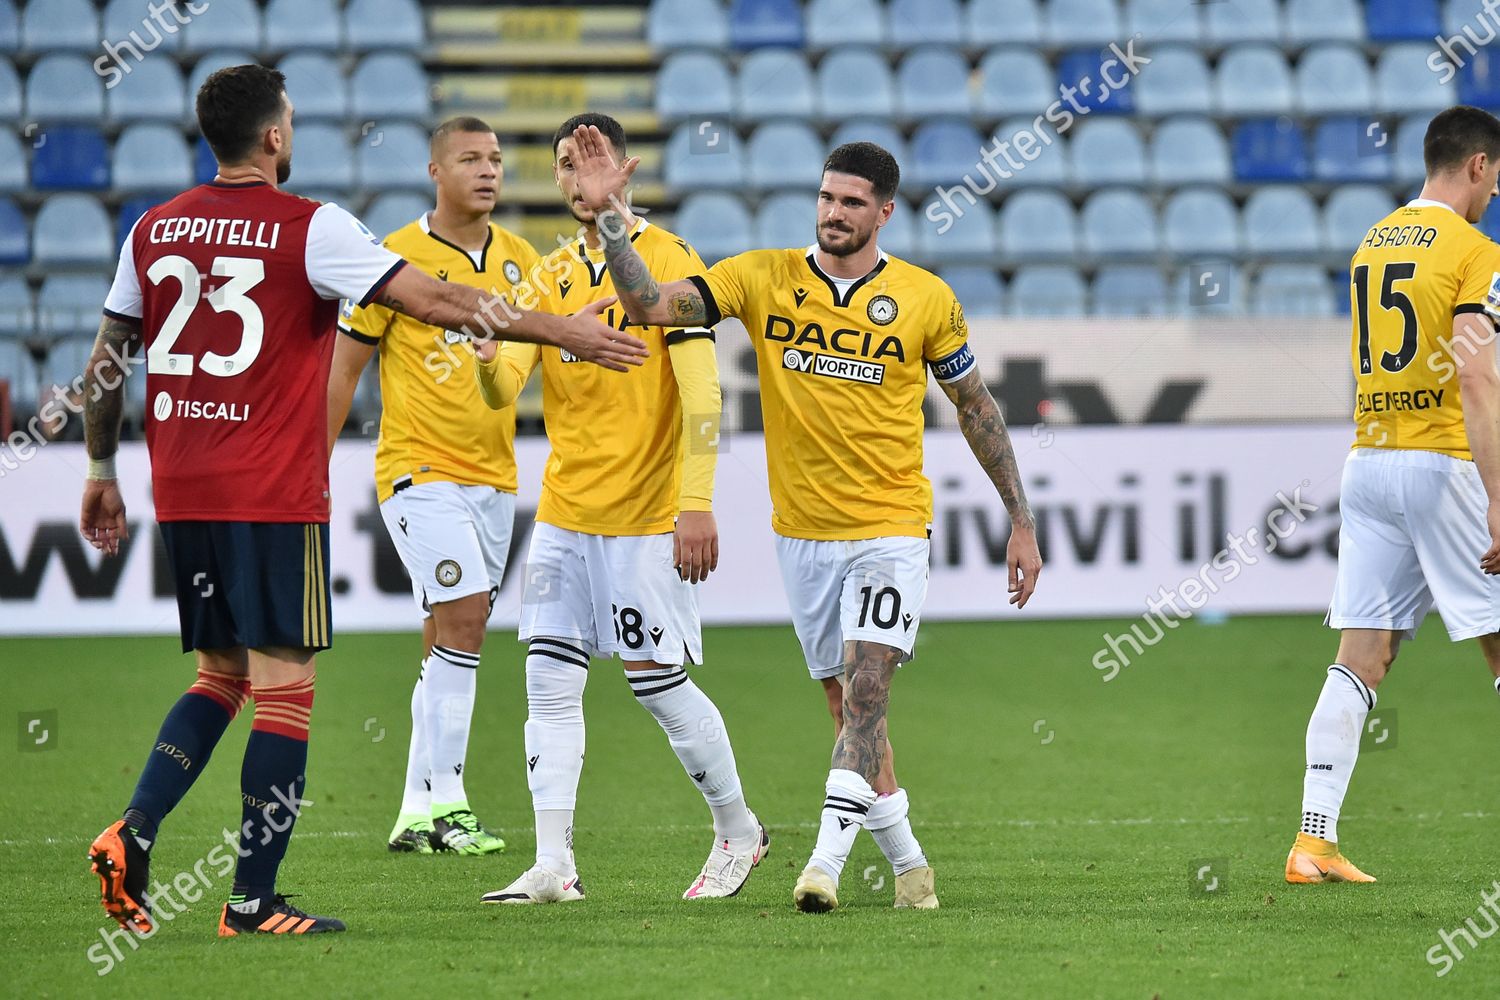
x=677 y=303
x=102 y=519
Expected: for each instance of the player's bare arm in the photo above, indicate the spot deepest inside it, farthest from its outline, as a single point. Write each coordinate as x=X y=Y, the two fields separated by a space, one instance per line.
x=349 y=359
x=984 y=428
x=102 y=520
x=1479 y=388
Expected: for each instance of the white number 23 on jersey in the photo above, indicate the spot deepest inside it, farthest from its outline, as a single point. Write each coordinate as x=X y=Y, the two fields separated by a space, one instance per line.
x=244 y=273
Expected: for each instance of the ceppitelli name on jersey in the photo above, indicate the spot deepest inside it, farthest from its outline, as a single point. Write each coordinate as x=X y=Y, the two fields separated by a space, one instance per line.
x=1384 y=402
x=229 y=232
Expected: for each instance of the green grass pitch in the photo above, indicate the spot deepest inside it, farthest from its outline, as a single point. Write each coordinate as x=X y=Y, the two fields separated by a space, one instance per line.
x=1065 y=818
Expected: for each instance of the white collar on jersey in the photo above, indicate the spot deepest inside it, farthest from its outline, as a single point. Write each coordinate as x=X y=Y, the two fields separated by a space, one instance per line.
x=1430 y=203
x=843 y=283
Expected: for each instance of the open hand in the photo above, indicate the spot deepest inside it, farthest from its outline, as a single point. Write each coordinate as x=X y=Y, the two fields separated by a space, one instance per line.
x=587 y=339
x=103 y=519
x=695 y=545
x=601 y=181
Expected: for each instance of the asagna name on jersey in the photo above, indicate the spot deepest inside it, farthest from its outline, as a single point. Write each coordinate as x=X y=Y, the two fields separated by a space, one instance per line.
x=1416 y=270
x=433 y=426
x=843 y=375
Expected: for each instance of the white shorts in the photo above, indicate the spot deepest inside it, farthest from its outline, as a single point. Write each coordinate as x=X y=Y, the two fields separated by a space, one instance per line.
x=1413 y=531
x=614 y=595
x=452 y=539
x=868 y=591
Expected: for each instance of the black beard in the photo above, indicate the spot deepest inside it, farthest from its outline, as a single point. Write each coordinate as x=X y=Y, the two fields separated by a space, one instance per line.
x=283 y=170
x=855 y=245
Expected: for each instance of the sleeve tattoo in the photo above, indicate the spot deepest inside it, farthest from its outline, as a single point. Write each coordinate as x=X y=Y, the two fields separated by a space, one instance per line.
x=104 y=384
x=636 y=287
x=984 y=428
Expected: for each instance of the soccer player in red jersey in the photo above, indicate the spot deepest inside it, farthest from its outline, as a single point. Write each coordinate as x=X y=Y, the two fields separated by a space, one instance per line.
x=232 y=289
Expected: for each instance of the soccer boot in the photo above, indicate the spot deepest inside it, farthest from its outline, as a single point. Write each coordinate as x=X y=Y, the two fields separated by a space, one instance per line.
x=460 y=832
x=914 y=890
x=411 y=836
x=726 y=872
x=123 y=867
x=280 y=917
x=816 y=892
x=537 y=885
x=1313 y=859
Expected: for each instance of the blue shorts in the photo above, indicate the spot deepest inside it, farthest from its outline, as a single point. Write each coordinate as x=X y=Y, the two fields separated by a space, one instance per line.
x=252 y=584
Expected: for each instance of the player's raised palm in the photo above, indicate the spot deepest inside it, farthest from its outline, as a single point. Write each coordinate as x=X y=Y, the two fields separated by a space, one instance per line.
x=601 y=181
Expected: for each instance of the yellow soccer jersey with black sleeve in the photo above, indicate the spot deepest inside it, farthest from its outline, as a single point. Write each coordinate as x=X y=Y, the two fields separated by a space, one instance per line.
x=629 y=449
x=434 y=427
x=843 y=373
x=1416 y=270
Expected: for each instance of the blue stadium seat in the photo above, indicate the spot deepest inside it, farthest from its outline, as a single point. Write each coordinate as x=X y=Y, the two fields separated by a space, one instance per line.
x=64 y=87
x=844 y=22
x=204 y=164
x=131 y=21
x=1163 y=21
x=12 y=164
x=882 y=133
x=18 y=370
x=73 y=157
x=1350 y=212
x=923 y=22
x=397 y=161
x=1048 y=290
x=1334 y=79
x=73 y=230
x=943 y=151
x=1479 y=80
x=1199 y=223
x=1402 y=20
x=1096 y=96
x=773 y=83
x=69 y=356
x=321 y=158
x=59 y=25
x=1015 y=81
x=1405 y=83
x=1129 y=290
x=1210 y=286
x=945 y=236
x=10 y=27
x=683 y=24
x=17 y=310
x=1408 y=165
x=216 y=61
x=1049 y=166
x=152 y=157
x=10 y=92
x=226 y=24
x=694 y=85
x=695 y=160
x=1178 y=82
x=1189 y=151
x=1350 y=149
x=899 y=234
x=1310 y=21
x=1242 y=21
x=1253 y=80
x=1270 y=149
x=316 y=86
x=1082 y=22
x=390 y=85
x=15 y=235
x=1282 y=222
x=932 y=80
x=152 y=91
x=754 y=24
x=788 y=219
x=978 y=289
x=1002 y=22
x=716 y=224
x=385 y=24
x=1118 y=225
x=389 y=212
x=855 y=81
x=1457 y=14
x=1108 y=151
x=131 y=211
x=302 y=24
x=785 y=154
x=1037 y=224
x=1292 y=290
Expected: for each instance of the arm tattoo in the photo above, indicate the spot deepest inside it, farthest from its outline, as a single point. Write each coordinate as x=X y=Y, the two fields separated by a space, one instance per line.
x=104 y=384
x=868 y=669
x=385 y=298
x=632 y=279
x=984 y=428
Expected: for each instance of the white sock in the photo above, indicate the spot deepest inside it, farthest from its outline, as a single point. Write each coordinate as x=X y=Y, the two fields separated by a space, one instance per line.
x=844 y=810
x=416 y=800
x=1332 y=748
x=556 y=672
x=888 y=824
x=696 y=731
x=448 y=703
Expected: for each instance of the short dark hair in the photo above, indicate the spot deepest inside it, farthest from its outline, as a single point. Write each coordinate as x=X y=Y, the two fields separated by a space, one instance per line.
x=1457 y=134
x=867 y=160
x=235 y=104
x=613 y=130
x=463 y=123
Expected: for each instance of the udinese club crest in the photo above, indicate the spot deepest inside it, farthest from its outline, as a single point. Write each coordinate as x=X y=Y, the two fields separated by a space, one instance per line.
x=881 y=310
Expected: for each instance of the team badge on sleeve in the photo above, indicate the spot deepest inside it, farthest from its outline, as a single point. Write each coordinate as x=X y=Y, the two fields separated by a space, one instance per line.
x=1493 y=298
x=512 y=271
x=881 y=310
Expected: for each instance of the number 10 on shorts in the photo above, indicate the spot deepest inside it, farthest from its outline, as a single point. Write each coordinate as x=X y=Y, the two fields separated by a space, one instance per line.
x=881 y=607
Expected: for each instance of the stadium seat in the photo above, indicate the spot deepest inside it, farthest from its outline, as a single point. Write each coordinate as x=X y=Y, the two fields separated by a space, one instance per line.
x=1269 y=149
x=1253 y=80
x=1351 y=149
x=15 y=235
x=1189 y=151
x=151 y=157
x=1048 y=167
x=1082 y=70
x=1037 y=224
x=1242 y=21
x=697 y=159
x=1178 y=82
x=1405 y=83
x=855 y=81
x=1282 y=222
x=68 y=305
x=967 y=235
x=1350 y=213
x=398 y=160
x=788 y=219
x=882 y=133
x=384 y=24
x=302 y=24
x=204 y=164
x=12 y=164
x=152 y=91
x=73 y=230
x=131 y=21
x=1002 y=22
x=64 y=87
x=1402 y=20
x=1015 y=81
x=316 y=86
x=390 y=85
x=10 y=27
x=932 y=80
x=1048 y=290
x=1118 y=225
x=716 y=224
x=1479 y=80
x=1199 y=223
x=1458 y=14
x=943 y=151
x=1108 y=151
x=131 y=211
x=978 y=289
x=1334 y=79
x=1309 y=21
x=785 y=155
x=694 y=85
x=215 y=61
x=226 y=24
x=10 y=93
x=17 y=310
x=1163 y=21
x=1129 y=290
x=73 y=157
x=844 y=22
x=683 y=24
x=1409 y=165
x=773 y=83
x=59 y=25
x=925 y=22
x=1082 y=22
x=1210 y=286
x=321 y=158
x=1292 y=290
x=756 y=24
x=899 y=234
x=389 y=212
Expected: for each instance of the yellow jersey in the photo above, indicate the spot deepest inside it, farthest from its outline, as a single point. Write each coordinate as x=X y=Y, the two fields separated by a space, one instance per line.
x=843 y=373
x=1417 y=268
x=434 y=427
